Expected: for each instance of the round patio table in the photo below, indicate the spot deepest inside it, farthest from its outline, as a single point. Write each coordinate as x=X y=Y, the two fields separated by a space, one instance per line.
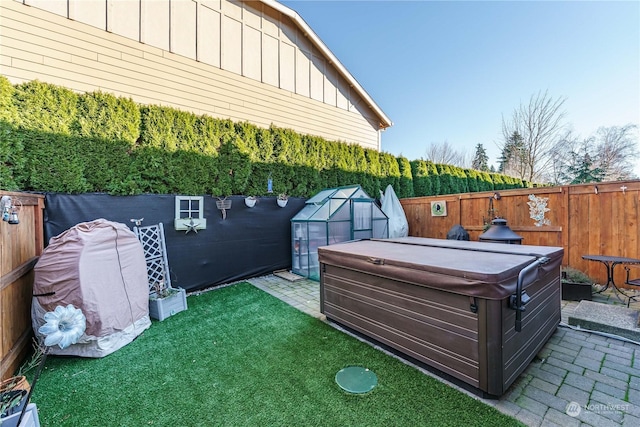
x=610 y=263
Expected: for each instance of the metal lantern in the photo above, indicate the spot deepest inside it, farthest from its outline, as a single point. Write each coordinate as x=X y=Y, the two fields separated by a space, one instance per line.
x=13 y=218
x=499 y=232
x=5 y=207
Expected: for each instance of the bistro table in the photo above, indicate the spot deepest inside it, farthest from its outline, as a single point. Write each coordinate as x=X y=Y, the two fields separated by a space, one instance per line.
x=610 y=263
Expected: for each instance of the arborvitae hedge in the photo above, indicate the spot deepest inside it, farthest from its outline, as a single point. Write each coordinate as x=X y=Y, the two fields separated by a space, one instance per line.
x=11 y=140
x=52 y=139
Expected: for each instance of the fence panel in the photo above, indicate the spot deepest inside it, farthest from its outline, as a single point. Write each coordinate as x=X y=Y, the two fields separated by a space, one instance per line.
x=597 y=219
x=20 y=246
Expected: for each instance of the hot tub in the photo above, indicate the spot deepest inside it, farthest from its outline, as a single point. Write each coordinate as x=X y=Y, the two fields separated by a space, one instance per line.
x=452 y=305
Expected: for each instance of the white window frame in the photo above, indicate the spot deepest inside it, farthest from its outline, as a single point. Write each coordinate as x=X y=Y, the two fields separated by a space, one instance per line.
x=196 y=219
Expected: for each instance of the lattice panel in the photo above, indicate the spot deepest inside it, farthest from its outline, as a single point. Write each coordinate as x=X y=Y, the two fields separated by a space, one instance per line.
x=155 y=272
x=155 y=253
x=151 y=241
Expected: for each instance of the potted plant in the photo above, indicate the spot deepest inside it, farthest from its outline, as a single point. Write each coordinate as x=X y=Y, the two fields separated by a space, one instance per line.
x=19 y=380
x=575 y=284
x=282 y=199
x=15 y=390
x=63 y=327
x=250 y=201
x=11 y=404
x=165 y=301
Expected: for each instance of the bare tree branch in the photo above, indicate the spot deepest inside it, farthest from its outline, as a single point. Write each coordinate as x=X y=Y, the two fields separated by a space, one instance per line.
x=539 y=124
x=444 y=153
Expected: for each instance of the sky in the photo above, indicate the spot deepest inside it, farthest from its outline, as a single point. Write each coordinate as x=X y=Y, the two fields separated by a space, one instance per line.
x=449 y=71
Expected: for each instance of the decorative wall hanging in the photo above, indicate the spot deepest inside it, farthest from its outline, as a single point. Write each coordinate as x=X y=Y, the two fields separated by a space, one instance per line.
x=223 y=205
x=5 y=207
x=10 y=209
x=439 y=208
x=189 y=214
x=537 y=209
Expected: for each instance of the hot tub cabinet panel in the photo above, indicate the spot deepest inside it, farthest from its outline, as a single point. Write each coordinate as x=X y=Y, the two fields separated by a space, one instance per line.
x=445 y=303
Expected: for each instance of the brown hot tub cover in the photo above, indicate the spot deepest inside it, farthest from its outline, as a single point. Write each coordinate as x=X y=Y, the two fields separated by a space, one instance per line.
x=484 y=270
x=99 y=267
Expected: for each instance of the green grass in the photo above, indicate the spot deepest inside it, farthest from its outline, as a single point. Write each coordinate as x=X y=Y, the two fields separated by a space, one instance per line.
x=240 y=357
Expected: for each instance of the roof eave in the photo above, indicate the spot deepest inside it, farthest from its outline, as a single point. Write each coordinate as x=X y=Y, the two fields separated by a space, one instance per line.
x=385 y=121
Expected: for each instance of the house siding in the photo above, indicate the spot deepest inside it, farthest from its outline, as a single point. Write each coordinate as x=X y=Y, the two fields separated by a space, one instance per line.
x=222 y=58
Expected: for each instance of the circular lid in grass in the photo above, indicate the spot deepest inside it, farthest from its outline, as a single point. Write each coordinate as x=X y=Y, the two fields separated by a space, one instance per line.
x=356 y=379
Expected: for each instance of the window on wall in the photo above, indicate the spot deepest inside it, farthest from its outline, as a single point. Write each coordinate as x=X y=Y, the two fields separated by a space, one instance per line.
x=189 y=207
x=189 y=213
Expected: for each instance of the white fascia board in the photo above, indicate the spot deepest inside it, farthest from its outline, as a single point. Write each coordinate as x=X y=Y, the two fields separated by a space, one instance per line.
x=385 y=121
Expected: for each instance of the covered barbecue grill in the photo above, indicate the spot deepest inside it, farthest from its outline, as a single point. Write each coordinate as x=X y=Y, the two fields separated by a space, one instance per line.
x=478 y=312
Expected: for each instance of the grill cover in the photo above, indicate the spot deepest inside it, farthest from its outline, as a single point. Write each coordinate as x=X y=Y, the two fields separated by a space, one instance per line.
x=99 y=267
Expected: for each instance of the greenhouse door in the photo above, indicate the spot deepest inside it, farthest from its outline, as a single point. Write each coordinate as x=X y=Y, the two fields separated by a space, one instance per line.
x=362 y=225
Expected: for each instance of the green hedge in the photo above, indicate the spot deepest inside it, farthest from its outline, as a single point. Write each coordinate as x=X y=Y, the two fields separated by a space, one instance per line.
x=54 y=140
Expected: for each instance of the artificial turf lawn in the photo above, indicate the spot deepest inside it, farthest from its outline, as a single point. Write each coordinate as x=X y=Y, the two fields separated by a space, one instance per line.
x=240 y=357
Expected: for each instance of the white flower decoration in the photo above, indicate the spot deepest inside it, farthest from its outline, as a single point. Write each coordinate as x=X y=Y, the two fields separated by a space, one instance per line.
x=65 y=326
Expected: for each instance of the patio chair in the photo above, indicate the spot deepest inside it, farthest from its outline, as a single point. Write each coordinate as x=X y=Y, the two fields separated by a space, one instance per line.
x=630 y=281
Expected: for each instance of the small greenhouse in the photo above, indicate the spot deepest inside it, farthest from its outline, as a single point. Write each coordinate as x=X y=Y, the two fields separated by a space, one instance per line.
x=332 y=216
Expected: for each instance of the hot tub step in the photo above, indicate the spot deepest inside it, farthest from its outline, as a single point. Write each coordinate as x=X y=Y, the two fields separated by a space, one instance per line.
x=612 y=319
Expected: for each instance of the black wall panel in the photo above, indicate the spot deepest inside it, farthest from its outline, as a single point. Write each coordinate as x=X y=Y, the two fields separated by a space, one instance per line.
x=249 y=242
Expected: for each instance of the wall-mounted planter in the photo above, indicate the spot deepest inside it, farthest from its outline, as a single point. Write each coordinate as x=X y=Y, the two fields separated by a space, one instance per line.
x=250 y=201
x=161 y=308
x=223 y=205
x=282 y=199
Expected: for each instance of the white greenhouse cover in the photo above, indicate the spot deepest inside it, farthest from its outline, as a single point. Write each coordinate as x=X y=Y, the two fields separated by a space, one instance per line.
x=398 y=225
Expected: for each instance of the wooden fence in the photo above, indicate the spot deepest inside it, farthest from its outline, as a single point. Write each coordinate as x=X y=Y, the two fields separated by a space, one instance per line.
x=595 y=219
x=20 y=246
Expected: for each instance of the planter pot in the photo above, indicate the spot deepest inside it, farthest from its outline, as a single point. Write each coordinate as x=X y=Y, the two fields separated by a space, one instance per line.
x=14 y=383
x=30 y=418
x=250 y=201
x=161 y=308
x=223 y=204
x=576 y=291
x=18 y=398
x=282 y=203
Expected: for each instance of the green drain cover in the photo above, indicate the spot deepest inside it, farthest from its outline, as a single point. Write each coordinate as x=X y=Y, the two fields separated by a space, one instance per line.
x=356 y=379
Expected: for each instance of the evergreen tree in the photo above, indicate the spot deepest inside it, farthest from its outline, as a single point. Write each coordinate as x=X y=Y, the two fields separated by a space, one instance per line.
x=480 y=159
x=512 y=159
x=582 y=169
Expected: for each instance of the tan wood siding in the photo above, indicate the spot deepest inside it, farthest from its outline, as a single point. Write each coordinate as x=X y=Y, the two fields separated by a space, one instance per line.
x=183 y=28
x=128 y=22
x=282 y=70
x=154 y=23
x=209 y=29
x=92 y=12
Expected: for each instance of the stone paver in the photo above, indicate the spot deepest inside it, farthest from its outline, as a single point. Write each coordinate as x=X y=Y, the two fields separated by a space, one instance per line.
x=579 y=378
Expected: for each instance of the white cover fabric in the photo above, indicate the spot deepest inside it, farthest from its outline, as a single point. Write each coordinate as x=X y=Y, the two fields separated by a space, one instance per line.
x=99 y=267
x=390 y=205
